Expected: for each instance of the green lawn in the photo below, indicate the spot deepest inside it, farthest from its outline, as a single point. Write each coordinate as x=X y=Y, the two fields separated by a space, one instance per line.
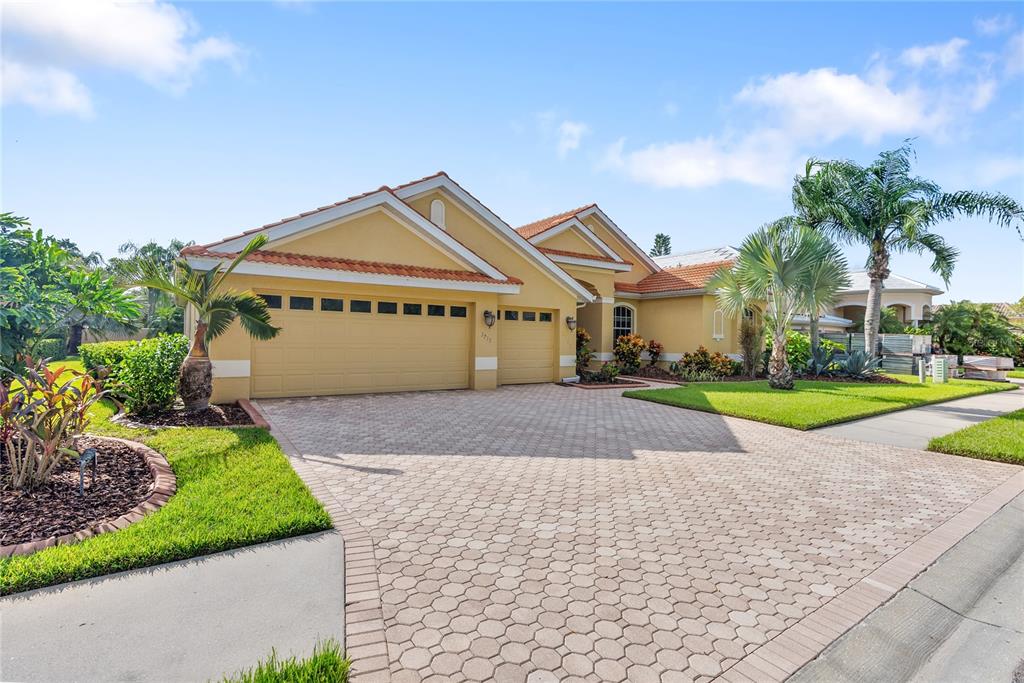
x=1001 y=438
x=1016 y=373
x=326 y=665
x=812 y=404
x=235 y=488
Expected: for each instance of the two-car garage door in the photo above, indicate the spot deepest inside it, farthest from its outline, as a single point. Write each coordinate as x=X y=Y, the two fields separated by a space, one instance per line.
x=338 y=344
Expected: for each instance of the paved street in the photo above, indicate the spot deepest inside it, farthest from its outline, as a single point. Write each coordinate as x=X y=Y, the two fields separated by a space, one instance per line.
x=554 y=533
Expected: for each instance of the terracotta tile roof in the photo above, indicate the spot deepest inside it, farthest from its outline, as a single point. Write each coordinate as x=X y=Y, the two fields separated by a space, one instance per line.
x=675 y=279
x=537 y=227
x=353 y=265
x=580 y=254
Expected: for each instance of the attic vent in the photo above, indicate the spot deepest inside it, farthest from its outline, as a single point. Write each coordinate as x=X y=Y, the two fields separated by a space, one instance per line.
x=437 y=213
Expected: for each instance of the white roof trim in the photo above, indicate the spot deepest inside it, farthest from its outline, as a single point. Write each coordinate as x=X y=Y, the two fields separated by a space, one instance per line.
x=330 y=275
x=425 y=228
x=644 y=256
x=500 y=227
x=585 y=232
x=589 y=263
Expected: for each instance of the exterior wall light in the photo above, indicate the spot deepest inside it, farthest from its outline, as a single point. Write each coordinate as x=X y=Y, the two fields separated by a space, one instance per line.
x=570 y=322
x=489 y=318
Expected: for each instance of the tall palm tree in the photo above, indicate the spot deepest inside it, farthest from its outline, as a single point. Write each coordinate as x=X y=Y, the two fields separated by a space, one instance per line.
x=126 y=265
x=891 y=211
x=216 y=308
x=772 y=267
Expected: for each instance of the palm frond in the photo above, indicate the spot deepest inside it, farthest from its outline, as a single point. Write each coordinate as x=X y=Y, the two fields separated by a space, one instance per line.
x=254 y=316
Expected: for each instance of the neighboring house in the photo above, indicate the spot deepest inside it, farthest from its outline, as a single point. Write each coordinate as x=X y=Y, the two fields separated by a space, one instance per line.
x=421 y=286
x=1013 y=312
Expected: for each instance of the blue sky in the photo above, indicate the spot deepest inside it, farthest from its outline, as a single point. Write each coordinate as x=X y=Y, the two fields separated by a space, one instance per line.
x=201 y=120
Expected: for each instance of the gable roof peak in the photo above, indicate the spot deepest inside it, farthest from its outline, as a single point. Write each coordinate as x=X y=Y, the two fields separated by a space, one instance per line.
x=536 y=227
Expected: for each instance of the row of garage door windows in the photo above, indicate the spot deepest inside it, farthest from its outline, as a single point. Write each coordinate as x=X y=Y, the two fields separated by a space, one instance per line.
x=305 y=303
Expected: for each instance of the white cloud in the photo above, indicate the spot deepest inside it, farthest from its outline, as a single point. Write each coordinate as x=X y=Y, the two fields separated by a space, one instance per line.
x=996 y=170
x=824 y=104
x=154 y=41
x=1015 y=55
x=570 y=134
x=945 y=56
x=984 y=91
x=763 y=158
x=45 y=88
x=993 y=26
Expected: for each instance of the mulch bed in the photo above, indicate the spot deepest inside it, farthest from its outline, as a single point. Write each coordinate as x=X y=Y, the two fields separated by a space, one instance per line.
x=588 y=383
x=123 y=480
x=225 y=415
x=654 y=372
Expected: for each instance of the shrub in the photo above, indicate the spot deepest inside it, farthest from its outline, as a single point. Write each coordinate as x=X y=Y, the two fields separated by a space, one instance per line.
x=704 y=361
x=628 y=349
x=148 y=377
x=108 y=355
x=584 y=355
x=1018 y=353
x=53 y=349
x=694 y=375
x=42 y=414
x=609 y=372
x=859 y=364
x=654 y=350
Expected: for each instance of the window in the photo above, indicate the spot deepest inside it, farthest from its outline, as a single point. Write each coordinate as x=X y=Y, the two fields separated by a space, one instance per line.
x=412 y=309
x=545 y=317
x=332 y=305
x=457 y=311
x=622 y=321
x=718 y=330
x=273 y=300
x=358 y=306
x=435 y=310
x=511 y=315
x=300 y=303
x=387 y=307
x=437 y=213
x=530 y=316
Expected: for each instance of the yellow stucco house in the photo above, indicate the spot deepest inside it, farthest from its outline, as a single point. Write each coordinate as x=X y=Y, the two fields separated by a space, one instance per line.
x=421 y=286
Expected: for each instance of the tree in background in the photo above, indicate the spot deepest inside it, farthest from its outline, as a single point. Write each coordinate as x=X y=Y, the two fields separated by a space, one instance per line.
x=216 y=308
x=662 y=245
x=163 y=314
x=43 y=288
x=885 y=208
x=966 y=328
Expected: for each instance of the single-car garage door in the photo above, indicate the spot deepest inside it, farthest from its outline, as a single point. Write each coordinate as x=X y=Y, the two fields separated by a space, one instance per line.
x=526 y=346
x=337 y=344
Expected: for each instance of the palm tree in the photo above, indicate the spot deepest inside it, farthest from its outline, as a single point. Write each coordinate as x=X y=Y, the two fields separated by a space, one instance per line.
x=772 y=267
x=823 y=282
x=126 y=265
x=216 y=308
x=891 y=211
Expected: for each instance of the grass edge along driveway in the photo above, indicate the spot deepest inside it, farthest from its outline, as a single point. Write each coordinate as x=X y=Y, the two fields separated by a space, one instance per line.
x=1001 y=438
x=235 y=488
x=812 y=403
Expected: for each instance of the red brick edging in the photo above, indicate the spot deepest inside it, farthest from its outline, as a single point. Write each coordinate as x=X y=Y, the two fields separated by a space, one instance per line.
x=164 y=486
x=364 y=642
x=782 y=656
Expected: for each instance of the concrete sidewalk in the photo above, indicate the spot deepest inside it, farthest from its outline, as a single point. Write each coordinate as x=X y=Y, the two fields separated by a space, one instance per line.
x=193 y=620
x=962 y=620
x=915 y=427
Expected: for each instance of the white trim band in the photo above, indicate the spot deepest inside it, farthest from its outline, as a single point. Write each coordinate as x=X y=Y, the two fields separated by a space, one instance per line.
x=230 y=368
x=486 y=362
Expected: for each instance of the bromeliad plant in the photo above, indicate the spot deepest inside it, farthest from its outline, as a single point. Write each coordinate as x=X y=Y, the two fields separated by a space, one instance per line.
x=216 y=307
x=42 y=412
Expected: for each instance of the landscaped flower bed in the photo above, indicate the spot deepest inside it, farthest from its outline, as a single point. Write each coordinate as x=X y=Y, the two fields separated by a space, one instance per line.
x=217 y=415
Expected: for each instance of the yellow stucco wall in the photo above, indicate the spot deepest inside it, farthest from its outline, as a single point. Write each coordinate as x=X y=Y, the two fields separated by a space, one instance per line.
x=373 y=236
x=639 y=270
x=570 y=240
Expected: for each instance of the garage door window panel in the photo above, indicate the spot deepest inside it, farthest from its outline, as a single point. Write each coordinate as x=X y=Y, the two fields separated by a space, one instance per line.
x=333 y=305
x=435 y=310
x=457 y=311
x=412 y=309
x=272 y=300
x=300 y=303
x=388 y=307
x=360 y=306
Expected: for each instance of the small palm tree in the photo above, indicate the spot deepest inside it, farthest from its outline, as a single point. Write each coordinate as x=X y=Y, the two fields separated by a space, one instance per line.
x=891 y=211
x=823 y=282
x=772 y=267
x=216 y=308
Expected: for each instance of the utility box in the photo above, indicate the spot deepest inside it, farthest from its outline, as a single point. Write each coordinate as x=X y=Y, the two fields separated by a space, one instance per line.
x=940 y=370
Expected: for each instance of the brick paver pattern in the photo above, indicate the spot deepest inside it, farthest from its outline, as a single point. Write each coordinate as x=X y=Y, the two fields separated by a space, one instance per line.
x=547 y=533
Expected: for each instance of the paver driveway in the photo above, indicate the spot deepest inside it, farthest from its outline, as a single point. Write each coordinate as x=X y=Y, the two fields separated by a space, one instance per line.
x=556 y=533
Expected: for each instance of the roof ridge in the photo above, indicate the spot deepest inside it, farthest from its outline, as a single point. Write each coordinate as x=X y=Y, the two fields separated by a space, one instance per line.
x=551 y=221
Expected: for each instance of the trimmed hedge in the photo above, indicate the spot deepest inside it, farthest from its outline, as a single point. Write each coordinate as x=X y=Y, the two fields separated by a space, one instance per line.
x=149 y=372
x=53 y=349
x=144 y=374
